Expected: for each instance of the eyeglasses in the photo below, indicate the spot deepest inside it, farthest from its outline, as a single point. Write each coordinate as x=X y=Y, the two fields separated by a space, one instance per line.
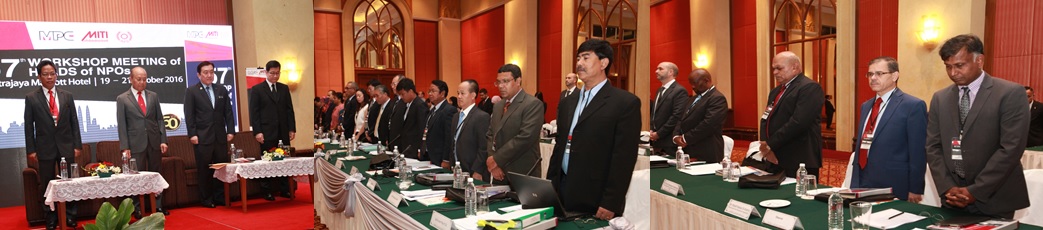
x=503 y=82
x=879 y=74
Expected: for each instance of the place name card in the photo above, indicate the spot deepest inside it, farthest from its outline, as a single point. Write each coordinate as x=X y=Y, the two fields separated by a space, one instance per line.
x=354 y=171
x=340 y=164
x=372 y=184
x=741 y=210
x=672 y=187
x=781 y=220
x=440 y=222
x=395 y=198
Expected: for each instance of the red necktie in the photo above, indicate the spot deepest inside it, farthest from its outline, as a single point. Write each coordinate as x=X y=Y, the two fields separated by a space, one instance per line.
x=863 y=154
x=54 y=107
x=141 y=103
x=505 y=106
x=767 y=123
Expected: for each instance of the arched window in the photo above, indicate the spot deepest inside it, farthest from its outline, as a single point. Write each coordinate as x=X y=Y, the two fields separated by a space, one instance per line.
x=378 y=33
x=808 y=28
x=614 y=21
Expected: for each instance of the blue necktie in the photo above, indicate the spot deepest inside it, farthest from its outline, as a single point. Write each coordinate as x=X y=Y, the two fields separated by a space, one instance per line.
x=458 y=126
x=209 y=94
x=584 y=99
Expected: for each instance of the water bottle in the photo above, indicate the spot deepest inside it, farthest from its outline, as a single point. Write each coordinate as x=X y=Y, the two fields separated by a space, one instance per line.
x=681 y=159
x=65 y=169
x=281 y=146
x=351 y=147
x=801 y=186
x=232 y=151
x=458 y=176
x=836 y=211
x=398 y=158
x=726 y=169
x=470 y=198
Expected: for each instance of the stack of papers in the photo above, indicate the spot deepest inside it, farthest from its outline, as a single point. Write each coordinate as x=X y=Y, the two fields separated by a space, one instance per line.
x=421 y=194
x=891 y=218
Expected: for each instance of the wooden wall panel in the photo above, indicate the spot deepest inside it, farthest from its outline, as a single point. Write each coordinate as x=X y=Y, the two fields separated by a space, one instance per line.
x=68 y=11
x=1015 y=43
x=329 y=69
x=670 y=42
x=877 y=35
x=482 y=48
x=426 y=55
x=163 y=12
x=118 y=11
x=22 y=10
x=744 y=64
x=549 y=51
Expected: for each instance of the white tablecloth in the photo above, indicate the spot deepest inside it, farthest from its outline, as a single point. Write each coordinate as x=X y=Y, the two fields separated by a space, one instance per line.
x=343 y=202
x=119 y=185
x=546 y=150
x=668 y=212
x=1032 y=160
x=294 y=166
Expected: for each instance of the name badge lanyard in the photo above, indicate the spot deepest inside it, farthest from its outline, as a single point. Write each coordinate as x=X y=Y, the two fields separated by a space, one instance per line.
x=867 y=137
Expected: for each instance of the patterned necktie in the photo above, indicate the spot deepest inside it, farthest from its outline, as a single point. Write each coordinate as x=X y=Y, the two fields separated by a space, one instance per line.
x=505 y=106
x=863 y=154
x=141 y=103
x=965 y=107
x=209 y=94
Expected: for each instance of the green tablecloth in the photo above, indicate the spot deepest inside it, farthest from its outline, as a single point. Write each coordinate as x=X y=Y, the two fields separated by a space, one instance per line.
x=452 y=210
x=1035 y=148
x=712 y=193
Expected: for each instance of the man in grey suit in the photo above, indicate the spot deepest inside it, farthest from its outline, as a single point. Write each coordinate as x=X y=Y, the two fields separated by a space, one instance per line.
x=514 y=130
x=468 y=129
x=140 y=122
x=976 y=133
x=52 y=132
x=667 y=108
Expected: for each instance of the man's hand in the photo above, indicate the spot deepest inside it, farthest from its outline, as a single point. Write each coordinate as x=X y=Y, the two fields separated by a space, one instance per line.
x=75 y=152
x=604 y=214
x=477 y=176
x=915 y=198
x=446 y=165
x=163 y=148
x=126 y=153
x=679 y=141
x=293 y=135
x=767 y=153
x=195 y=140
x=259 y=137
x=959 y=197
x=653 y=136
x=230 y=137
x=494 y=169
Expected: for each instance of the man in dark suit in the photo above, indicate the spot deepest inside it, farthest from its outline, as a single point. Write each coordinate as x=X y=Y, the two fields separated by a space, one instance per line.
x=595 y=150
x=486 y=102
x=830 y=111
x=351 y=106
x=891 y=135
x=468 y=146
x=211 y=126
x=141 y=129
x=667 y=108
x=52 y=132
x=393 y=107
x=790 y=132
x=700 y=130
x=570 y=84
x=976 y=132
x=1036 y=126
x=436 y=142
x=514 y=130
x=272 y=120
x=379 y=114
x=409 y=120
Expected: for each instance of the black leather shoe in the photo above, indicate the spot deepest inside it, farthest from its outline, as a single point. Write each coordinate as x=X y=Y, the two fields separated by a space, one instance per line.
x=285 y=194
x=70 y=223
x=209 y=205
x=269 y=197
x=52 y=226
x=164 y=211
x=219 y=203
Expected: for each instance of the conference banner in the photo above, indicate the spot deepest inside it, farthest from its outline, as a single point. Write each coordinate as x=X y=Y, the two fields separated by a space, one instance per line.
x=93 y=62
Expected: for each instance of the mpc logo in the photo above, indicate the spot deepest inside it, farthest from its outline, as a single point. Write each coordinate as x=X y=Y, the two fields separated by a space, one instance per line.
x=57 y=36
x=201 y=34
x=96 y=36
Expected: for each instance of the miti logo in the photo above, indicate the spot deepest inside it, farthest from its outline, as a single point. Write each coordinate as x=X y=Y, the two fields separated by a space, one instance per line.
x=202 y=34
x=56 y=35
x=96 y=36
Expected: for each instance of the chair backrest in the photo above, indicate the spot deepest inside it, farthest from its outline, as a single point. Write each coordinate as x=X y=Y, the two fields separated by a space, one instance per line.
x=85 y=156
x=181 y=147
x=729 y=144
x=245 y=140
x=109 y=151
x=1034 y=213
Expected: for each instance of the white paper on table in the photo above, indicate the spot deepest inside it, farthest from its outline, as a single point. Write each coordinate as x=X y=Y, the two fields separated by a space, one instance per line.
x=323 y=140
x=657 y=158
x=421 y=194
x=706 y=169
x=883 y=220
x=789 y=180
x=511 y=208
x=471 y=223
x=823 y=190
x=425 y=167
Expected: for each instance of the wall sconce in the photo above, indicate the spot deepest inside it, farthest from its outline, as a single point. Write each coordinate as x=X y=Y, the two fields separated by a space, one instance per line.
x=293 y=75
x=929 y=33
x=701 y=61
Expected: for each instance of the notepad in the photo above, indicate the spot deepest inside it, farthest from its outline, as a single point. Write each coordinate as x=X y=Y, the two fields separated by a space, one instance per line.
x=887 y=219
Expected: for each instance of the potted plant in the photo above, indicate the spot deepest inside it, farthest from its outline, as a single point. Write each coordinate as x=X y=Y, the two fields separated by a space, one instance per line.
x=110 y=218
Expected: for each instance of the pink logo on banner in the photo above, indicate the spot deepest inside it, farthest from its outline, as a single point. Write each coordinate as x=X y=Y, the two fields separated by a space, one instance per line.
x=15 y=36
x=124 y=36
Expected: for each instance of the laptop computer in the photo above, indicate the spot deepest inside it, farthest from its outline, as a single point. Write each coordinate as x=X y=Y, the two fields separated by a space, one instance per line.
x=536 y=192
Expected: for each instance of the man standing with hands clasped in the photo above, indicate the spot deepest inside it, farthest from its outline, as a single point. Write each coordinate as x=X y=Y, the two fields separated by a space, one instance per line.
x=211 y=126
x=141 y=131
x=272 y=120
x=976 y=133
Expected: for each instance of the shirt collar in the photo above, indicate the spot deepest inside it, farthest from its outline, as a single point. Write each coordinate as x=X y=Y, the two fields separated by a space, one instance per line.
x=791 y=80
x=594 y=90
x=515 y=96
x=47 y=91
x=668 y=84
x=467 y=110
x=976 y=84
x=887 y=95
x=134 y=91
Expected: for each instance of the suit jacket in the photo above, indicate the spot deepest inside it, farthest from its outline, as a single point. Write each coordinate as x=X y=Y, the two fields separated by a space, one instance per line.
x=792 y=130
x=470 y=147
x=896 y=157
x=994 y=135
x=1036 y=126
x=139 y=130
x=486 y=105
x=437 y=143
x=603 y=153
x=50 y=140
x=210 y=123
x=271 y=113
x=702 y=126
x=407 y=126
x=565 y=93
x=372 y=122
x=667 y=113
x=514 y=136
x=347 y=121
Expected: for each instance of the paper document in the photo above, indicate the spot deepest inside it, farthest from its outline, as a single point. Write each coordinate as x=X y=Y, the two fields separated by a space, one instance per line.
x=471 y=223
x=706 y=169
x=511 y=208
x=789 y=180
x=891 y=218
x=421 y=194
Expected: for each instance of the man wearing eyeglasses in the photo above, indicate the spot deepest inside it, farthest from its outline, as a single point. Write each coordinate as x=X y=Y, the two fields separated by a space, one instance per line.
x=514 y=131
x=891 y=135
x=976 y=131
x=1036 y=126
x=790 y=132
x=272 y=120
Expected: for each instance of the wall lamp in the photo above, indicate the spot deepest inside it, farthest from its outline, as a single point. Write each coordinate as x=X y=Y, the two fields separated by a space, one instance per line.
x=930 y=31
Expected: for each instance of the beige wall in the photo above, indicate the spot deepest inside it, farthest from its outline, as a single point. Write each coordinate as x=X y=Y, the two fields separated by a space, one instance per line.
x=449 y=49
x=642 y=86
x=519 y=42
x=262 y=30
x=713 y=40
x=425 y=10
x=471 y=8
x=922 y=71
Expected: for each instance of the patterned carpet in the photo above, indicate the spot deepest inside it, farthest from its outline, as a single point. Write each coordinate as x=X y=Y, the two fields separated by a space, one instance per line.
x=834 y=163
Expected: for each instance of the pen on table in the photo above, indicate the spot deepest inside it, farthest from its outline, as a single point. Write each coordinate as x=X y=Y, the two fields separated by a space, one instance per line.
x=896 y=215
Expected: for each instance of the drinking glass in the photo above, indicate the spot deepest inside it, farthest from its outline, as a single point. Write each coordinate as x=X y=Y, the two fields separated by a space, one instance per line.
x=810 y=184
x=483 y=199
x=860 y=212
x=132 y=167
x=74 y=170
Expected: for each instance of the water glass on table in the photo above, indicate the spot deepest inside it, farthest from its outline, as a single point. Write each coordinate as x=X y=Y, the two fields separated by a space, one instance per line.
x=860 y=212
x=810 y=184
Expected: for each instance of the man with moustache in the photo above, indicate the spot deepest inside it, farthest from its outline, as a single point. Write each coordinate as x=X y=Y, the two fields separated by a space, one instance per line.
x=790 y=132
x=700 y=130
x=514 y=130
x=211 y=126
x=667 y=108
x=52 y=132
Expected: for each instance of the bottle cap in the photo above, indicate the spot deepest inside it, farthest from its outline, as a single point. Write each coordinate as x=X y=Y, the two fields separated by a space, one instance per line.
x=801 y=164
x=470 y=180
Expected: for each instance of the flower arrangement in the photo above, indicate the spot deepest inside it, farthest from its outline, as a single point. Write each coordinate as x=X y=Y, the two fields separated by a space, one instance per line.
x=102 y=169
x=319 y=145
x=274 y=154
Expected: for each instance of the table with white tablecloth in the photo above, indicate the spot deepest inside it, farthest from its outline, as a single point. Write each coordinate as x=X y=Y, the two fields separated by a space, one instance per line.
x=288 y=167
x=1032 y=159
x=547 y=150
x=93 y=187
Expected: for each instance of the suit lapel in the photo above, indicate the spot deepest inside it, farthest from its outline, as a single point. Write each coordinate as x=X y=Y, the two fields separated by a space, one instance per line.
x=134 y=101
x=518 y=101
x=892 y=104
x=271 y=94
x=595 y=103
x=864 y=115
x=954 y=108
x=979 y=100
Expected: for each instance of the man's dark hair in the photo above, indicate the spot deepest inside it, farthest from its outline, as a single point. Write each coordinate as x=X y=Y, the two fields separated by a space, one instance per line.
x=272 y=64
x=512 y=68
x=1029 y=89
x=442 y=87
x=39 y=67
x=339 y=96
x=482 y=90
x=955 y=44
x=892 y=64
x=317 y=99
x=406 y=84
x=373 y=82
x=199 y=68
x=473 y=86
x=601 y=48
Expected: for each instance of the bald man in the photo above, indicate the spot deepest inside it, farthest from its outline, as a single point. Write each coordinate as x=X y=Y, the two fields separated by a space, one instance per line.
x=140 y=123
x=790 y=133
x=667 y=108
x=699 y=130
x=570 y=82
